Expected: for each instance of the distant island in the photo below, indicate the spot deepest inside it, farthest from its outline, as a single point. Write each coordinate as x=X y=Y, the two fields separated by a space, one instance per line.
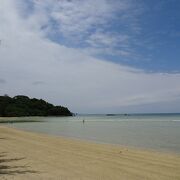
x=21 y=105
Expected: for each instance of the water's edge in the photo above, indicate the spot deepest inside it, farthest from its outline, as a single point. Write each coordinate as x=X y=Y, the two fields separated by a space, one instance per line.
x=160 y=132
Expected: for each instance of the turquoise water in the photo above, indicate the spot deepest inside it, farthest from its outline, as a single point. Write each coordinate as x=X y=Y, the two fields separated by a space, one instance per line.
x=158 y=131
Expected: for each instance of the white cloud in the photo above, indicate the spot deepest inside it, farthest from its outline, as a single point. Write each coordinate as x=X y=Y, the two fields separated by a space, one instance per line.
x=108 y=43
x=72 y=78
x=100 y=39
x=86 y=23
x=79 y=16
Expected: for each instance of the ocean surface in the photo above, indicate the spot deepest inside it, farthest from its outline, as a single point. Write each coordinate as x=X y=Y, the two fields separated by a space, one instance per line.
x=148 y=131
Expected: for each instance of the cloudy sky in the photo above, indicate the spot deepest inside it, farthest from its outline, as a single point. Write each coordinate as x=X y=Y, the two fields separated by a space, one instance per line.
x=93 y=56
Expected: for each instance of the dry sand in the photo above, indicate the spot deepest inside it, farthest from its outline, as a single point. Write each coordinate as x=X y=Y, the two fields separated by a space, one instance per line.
x=26 y=155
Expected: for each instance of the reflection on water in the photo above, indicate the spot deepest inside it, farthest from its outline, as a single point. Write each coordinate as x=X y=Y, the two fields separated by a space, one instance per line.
x=161 y=132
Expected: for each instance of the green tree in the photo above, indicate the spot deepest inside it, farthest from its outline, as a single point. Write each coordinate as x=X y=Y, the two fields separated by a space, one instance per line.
x=24 y=106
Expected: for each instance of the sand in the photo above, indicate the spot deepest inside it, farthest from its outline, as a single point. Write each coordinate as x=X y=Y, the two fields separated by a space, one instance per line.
x=26 y=155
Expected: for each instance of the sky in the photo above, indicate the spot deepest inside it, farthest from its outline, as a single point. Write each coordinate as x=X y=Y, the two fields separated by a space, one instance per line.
x=105 y=56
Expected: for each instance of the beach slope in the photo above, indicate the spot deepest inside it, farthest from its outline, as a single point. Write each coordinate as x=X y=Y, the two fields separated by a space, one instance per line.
x=26 y=155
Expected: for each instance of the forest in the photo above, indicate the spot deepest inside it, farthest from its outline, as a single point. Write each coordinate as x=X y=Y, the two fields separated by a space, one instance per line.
x=21 y=105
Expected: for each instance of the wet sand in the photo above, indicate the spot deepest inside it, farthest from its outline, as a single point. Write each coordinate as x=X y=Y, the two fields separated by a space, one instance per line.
x=26 y=155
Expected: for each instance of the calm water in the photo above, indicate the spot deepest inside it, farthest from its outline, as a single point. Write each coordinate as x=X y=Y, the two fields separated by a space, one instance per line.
x=160 y=132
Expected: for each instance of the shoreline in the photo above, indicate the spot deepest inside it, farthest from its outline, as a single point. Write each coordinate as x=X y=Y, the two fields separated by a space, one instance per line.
x=143 y=148
x=91 y=141
x=32 y=155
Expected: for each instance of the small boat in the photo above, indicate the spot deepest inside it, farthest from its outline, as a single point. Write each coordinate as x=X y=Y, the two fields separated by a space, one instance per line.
x=110 y=114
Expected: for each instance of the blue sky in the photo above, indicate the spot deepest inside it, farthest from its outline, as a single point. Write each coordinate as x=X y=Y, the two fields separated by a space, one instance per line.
x=105 y=56
x=161 y=27
x=147 y=32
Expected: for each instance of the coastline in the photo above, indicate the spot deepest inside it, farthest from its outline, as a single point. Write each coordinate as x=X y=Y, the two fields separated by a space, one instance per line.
x=27 y=155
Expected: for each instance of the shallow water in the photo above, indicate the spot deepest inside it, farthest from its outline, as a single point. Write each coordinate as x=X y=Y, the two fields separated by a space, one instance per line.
x=159 y=132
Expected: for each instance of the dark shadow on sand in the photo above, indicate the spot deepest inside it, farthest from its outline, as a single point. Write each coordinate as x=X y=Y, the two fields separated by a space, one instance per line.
x=6 y=167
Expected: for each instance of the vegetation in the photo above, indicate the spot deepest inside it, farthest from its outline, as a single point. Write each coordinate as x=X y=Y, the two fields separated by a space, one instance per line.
x=24 y=106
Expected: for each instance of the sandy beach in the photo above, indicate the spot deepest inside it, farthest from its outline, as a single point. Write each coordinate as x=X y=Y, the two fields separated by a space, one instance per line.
x=26 y=155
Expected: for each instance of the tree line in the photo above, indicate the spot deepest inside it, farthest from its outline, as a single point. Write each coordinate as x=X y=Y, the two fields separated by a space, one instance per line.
x=24 y=106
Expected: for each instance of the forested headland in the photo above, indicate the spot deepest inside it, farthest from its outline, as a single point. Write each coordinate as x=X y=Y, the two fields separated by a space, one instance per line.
x=24 y=106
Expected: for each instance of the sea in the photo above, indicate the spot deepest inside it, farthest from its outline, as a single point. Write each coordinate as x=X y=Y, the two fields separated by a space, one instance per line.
x=146 y=131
